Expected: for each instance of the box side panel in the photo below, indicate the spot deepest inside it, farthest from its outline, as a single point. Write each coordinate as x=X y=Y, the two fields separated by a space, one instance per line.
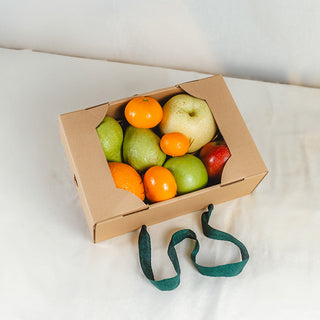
x=171 y=209
x=72 y=168
x=100 y=198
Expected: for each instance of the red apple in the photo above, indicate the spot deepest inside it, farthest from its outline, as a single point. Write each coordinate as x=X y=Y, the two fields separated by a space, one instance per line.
x=214 y=156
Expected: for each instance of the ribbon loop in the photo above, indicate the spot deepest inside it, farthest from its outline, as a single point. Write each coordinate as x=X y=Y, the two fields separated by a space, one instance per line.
x=226 y=270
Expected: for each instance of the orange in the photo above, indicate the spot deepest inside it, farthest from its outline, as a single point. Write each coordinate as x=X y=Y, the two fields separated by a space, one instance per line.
x=143 y=112
x=174 y=144
x=127 y=178
x=159 y=184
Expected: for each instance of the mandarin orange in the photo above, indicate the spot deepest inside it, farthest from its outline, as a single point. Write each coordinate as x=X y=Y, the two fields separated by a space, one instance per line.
x=159 y=184
x=174 y=144
x=143 y=112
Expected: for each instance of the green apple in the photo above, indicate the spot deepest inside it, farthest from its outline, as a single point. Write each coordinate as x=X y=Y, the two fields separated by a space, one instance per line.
x=189 y=172
x=190 y=116
x=111 y=136
x=141 y=149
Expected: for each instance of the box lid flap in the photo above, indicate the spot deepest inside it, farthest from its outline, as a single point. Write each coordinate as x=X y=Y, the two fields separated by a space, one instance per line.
x=102 y=200
x=245 y=159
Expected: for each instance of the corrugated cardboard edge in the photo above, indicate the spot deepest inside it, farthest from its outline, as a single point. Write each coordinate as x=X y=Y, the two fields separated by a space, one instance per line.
x=176 y=207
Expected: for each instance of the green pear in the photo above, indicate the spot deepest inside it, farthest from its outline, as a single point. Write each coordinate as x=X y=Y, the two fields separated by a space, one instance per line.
x=111 y=137
x=141 y=149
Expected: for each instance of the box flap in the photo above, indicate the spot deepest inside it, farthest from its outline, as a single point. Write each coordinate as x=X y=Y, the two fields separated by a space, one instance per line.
x=100 y=197
x=245 y=159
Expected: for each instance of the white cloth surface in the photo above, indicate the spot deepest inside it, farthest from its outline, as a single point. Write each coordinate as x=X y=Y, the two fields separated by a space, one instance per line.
x=49 y=267
x=266 y=40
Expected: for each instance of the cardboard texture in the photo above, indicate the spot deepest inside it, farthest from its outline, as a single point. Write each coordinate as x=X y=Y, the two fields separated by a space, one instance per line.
x=111 y=211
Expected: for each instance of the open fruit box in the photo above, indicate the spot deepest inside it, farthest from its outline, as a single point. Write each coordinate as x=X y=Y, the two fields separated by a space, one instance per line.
x=111 y=211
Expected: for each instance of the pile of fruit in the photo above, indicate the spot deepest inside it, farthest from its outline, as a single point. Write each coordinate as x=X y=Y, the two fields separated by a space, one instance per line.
x=160 y=152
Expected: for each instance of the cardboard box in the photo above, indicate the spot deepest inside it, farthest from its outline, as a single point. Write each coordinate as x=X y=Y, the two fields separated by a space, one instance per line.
x=111 y=211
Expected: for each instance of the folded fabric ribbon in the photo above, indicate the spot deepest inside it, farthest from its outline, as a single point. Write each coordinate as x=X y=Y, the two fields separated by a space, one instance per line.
x=225 y=270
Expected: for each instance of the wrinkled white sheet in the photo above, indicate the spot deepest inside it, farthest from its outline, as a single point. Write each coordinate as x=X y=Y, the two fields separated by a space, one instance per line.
x=49 y=267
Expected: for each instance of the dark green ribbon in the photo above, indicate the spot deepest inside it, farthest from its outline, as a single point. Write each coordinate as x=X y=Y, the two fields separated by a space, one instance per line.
x=225 y=270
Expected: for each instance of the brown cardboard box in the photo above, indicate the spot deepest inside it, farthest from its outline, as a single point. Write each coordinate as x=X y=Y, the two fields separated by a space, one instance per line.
x=111 y=211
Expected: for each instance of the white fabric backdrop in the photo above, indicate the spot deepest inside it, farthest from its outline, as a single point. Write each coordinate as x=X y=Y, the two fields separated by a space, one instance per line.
x=267 y=40
x=49 y=267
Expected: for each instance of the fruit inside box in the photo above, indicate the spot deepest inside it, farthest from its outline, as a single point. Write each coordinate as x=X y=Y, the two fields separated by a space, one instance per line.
x=159 y=152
